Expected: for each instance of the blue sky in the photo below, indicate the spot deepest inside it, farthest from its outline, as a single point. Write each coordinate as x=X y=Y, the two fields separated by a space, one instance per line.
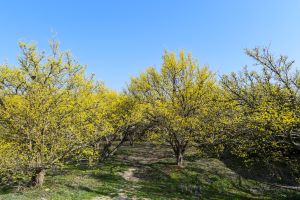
x=119 y=39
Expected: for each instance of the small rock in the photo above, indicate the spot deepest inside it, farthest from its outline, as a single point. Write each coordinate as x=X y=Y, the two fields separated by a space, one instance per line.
x=102 y=198
x=121 y=196
x=254 y=191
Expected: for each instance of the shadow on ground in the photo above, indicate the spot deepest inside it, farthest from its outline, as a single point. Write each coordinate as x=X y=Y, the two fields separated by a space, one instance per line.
x=148 y=171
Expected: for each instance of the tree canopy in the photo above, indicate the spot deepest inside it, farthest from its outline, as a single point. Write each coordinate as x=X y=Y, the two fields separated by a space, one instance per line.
x=52 y=113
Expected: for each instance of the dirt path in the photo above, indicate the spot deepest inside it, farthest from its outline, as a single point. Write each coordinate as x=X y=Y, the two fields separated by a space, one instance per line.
x=139 y=159
x=146 y=155
x=128 y=175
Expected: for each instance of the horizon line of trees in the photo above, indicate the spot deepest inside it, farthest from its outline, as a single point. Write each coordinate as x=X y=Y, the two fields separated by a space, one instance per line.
x=52 y=113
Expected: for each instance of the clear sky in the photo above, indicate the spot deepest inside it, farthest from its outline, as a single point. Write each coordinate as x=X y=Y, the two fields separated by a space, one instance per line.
x=119 y=39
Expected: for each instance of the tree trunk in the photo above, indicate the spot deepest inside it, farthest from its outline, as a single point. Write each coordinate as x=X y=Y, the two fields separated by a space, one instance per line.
x=179 y=158
x=90 y=161
x=131 y=138
x=179 y=146
x=105 y=152
x=38 y=178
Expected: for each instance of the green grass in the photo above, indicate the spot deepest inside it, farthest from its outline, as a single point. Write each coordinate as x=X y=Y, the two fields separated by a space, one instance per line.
x=158 y=178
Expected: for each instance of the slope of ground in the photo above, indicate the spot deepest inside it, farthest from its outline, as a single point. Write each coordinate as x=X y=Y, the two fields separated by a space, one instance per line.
x=148 y=171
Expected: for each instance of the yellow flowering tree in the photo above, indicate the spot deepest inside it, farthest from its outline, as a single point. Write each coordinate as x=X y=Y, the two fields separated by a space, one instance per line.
x=267 y=126
x=117 y=120
x=45 y=108
x=175 y=99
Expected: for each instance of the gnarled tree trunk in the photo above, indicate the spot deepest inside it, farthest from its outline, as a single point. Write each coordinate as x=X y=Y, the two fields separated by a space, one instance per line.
x=179 y=158
x=179 y=148
x=38 y=178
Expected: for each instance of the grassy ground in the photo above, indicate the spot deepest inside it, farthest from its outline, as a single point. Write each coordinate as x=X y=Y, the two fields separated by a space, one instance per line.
x=149 y=172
